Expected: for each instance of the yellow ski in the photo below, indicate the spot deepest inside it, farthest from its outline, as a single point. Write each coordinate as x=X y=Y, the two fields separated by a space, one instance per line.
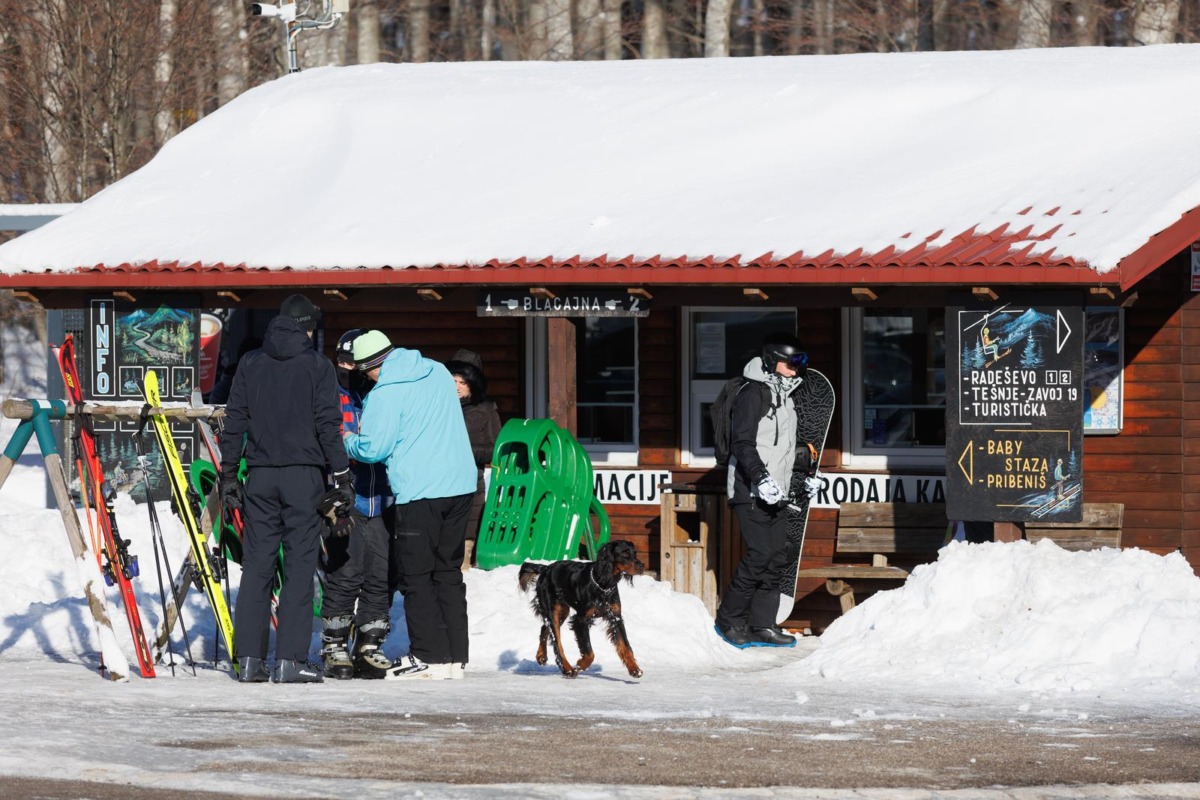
x=201 y=557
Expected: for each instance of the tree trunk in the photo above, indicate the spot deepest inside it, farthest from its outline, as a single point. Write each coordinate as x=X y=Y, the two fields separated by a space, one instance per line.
x=487 y=31
x=559 y=40
x=1084 y=15
x=925 y=40
x=716 y=28
x=164 y=126
x=367 y=44
x=233 y=55
x=654 y=30
x=589 y=22
x=1156 y=22
x=612 y=29
x=418 y=31
x=1033 y=23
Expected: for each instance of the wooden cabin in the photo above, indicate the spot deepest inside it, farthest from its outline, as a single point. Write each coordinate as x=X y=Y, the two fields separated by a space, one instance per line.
x=851 y=199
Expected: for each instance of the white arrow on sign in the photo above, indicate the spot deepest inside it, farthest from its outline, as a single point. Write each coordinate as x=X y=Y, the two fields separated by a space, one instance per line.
x=1064 y=330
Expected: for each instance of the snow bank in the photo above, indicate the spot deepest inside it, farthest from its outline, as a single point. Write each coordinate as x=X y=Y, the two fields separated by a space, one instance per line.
x=1023 y=615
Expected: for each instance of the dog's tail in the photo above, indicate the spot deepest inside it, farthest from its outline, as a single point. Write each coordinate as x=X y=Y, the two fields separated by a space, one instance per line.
x=529 y=574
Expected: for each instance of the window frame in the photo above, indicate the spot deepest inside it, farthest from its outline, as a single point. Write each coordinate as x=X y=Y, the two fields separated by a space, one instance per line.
x=694 y=393
x=855 y=452
x=537 y=392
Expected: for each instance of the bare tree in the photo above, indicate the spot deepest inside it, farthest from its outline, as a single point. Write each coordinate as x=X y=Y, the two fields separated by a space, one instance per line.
x=1155 y=21
x=1033 y=23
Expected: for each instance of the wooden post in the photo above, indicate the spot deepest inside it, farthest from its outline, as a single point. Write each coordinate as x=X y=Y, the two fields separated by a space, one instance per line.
x=560 y=349
x=1007 y=532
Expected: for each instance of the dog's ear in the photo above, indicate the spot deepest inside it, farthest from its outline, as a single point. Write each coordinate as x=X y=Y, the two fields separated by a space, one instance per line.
x=604 y=559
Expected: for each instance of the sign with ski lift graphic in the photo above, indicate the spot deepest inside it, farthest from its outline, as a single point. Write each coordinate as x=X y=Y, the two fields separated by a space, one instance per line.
x=1014 y=429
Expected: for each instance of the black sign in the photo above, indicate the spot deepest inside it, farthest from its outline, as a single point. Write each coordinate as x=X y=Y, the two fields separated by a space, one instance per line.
x=508 y=303
x=1014 y=430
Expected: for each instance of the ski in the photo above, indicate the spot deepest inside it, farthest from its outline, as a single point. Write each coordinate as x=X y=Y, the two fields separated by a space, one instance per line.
x=202 y=563
x=118 y=565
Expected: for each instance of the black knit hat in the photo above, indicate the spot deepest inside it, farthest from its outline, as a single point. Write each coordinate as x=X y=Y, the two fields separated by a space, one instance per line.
x=301 y=309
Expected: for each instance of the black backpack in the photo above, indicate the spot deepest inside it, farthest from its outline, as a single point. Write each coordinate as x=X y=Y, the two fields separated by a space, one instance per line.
x=721 y=415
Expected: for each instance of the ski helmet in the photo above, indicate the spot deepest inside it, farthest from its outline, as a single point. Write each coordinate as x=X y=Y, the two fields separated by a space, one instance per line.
x=345 y=345
x=786 y=348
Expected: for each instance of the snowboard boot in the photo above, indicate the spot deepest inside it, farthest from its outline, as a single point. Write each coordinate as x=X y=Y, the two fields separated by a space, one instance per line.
x=335 y=640
x=368 y=659
x=290 y=671
x=772 y=637
x=738 y=636
x=252 y=670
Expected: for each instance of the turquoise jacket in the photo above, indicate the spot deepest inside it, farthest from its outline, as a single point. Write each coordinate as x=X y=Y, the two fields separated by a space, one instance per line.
x=412 y=420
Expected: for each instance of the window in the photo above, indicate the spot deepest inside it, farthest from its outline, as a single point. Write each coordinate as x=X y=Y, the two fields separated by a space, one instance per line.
x=717 y=344
x=897 y=387
x=605 y=384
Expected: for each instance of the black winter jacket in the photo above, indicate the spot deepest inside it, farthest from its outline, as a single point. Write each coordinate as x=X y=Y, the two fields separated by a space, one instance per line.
x=483 y=426
x=284 y=401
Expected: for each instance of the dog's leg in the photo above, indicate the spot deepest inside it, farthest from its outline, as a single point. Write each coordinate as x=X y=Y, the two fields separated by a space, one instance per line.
x=620 y=640
x=541 y=653
x=558 y=617
x=580 y=625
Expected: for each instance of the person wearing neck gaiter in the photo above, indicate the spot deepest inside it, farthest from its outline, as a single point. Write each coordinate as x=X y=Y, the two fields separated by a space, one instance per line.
x=763 y=450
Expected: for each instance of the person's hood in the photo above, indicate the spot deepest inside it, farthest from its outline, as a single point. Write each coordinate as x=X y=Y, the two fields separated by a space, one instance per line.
x=285 y=338
x=404 y=366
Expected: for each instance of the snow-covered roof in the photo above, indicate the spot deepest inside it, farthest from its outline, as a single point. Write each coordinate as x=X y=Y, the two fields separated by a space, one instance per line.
x=1044 y=164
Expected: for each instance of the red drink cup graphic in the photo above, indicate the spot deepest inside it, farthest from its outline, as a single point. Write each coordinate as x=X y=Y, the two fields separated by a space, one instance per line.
x=210 y=349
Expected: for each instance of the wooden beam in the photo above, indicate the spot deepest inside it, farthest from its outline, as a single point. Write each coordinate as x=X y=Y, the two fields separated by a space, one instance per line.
x=984 y=291
x=561 y=355
x=1103 y=291
x=863 y=293
x=124 y=295
x=753 y=292
x=428 y=294
x=640 y=292
x=234 y=296
x=21 y=294
x=338 y=293
x=1129 y=300
x=542 y=291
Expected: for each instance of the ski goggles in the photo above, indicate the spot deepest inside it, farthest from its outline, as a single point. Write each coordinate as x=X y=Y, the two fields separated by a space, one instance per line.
x=796 y=360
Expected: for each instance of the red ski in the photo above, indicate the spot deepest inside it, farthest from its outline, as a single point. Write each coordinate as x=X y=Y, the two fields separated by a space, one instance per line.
x=118 y=566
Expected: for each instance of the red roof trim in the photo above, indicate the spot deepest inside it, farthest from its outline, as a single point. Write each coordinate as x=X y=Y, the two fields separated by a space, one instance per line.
x=1161 y=247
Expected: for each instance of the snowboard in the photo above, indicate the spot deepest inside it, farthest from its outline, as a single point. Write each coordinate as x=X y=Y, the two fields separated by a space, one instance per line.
x=814 y=411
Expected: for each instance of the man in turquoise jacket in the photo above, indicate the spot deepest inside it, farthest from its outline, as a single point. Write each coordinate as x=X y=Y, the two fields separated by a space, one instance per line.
x=412 y=421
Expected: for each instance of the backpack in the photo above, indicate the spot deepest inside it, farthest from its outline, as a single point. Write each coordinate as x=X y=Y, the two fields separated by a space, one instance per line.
x=721 y=416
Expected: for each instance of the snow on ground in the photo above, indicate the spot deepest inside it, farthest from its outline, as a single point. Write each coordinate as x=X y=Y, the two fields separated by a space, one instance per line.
x=987 y=629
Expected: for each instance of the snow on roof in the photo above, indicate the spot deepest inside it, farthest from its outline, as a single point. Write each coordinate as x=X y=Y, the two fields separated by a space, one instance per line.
x=1091 y=149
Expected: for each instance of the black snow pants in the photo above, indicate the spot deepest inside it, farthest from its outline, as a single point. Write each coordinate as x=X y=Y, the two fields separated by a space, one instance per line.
x=428 y=548
x=753 y=594
x=280 y=506
x=356 y=569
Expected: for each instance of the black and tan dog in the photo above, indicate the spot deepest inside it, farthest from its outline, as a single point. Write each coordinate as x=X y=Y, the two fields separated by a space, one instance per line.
x=590 y=589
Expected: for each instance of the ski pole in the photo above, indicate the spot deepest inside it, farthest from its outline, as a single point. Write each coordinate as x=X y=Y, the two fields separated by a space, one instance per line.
x=159 y=543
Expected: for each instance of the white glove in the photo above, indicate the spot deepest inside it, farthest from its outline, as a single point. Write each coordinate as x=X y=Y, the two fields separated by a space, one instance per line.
x=769 y=491
x=813 y=485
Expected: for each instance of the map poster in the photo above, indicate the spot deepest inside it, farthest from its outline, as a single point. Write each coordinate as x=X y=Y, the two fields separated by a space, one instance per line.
x=121 y=343
x=1014 y=421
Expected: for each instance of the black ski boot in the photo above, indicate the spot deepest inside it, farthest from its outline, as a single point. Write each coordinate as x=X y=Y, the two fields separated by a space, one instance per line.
x=773 y=637
x=290 y=671
x=252 y=670
x=335 y=639
x=369 y=661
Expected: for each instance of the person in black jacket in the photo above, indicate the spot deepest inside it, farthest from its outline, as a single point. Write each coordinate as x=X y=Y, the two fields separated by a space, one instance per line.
x=283 y=416
x=483 y=426
x=762 y=455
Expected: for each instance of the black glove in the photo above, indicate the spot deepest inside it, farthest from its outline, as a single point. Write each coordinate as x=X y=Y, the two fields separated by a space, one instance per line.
x=231 y=491
x=338 y=501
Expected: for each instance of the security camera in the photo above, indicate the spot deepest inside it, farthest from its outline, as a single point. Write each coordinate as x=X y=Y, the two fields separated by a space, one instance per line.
x=286 y=12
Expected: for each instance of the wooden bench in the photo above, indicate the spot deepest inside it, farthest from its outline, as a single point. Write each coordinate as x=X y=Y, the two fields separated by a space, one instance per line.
x=880 y=531
x=916 y=531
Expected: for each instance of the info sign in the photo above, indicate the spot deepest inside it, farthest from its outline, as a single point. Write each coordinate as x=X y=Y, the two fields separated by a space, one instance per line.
x=1014 y=429
x=565 y=303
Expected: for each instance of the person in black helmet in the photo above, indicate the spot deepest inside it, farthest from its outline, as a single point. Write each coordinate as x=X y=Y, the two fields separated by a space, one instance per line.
x=762 y=453
x=283 y=416
x=358 y=549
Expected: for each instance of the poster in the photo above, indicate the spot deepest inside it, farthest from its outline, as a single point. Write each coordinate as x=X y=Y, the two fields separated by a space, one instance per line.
x=119 y=344
x=1103 y=363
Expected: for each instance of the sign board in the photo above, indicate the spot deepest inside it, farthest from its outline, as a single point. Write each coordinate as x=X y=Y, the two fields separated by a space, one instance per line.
x=1196 y=266
x=567 y=303
x=1014 y=425
x=635 y=487
x=118 y=344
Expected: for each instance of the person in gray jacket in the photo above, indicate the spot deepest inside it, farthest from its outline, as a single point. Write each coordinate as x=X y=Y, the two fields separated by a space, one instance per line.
x=763 y=451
